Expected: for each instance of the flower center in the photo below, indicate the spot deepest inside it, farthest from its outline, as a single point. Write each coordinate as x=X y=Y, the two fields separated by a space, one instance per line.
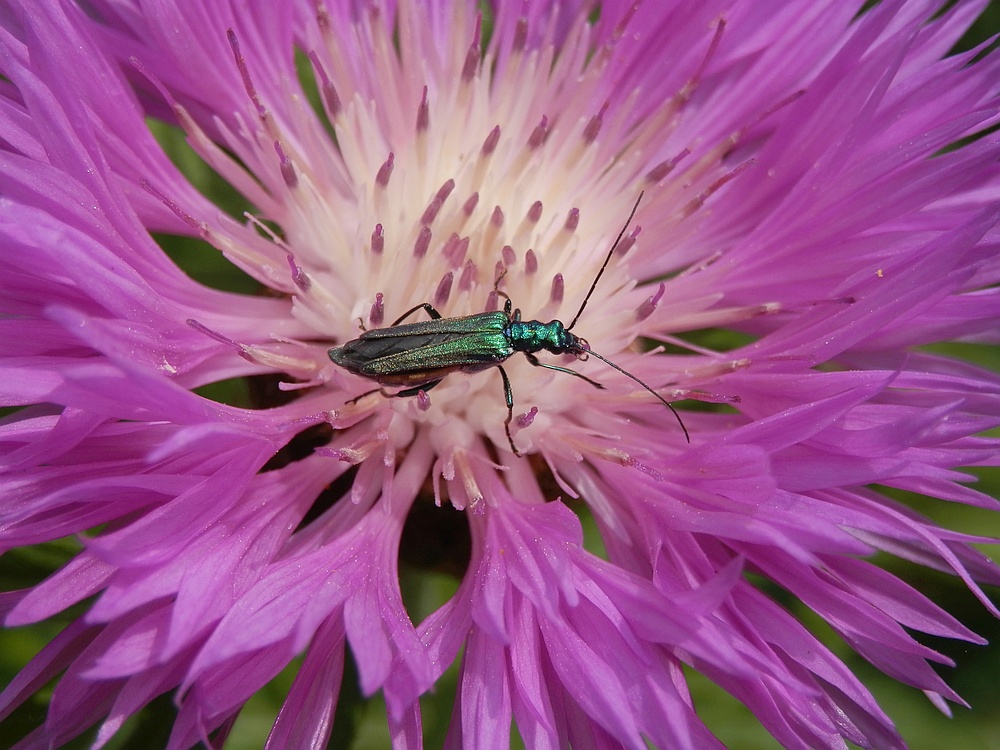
x=446 y=184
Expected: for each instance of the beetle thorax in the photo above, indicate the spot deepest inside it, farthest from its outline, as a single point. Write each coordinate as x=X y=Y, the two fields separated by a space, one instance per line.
x=533 y=335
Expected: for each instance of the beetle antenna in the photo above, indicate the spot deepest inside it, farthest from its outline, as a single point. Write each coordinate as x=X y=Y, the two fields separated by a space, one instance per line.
x=627 y=374
x=606 y=261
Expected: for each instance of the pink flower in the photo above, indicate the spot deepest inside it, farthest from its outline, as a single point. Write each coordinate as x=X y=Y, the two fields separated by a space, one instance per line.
x=801 y=198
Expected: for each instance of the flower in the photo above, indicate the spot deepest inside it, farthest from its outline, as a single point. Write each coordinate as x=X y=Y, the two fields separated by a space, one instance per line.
x=800 y=189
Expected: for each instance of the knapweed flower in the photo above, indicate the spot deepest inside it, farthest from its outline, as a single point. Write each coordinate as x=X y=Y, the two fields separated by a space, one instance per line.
x=818 y=182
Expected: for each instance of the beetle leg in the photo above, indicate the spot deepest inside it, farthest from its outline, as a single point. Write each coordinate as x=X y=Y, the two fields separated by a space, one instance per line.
x=435 y=315
x=496 y=284
x=411 y=391
x=496 y=289
x=508 y=395
x=398 y=394
x=358 y=398
x=534 y=360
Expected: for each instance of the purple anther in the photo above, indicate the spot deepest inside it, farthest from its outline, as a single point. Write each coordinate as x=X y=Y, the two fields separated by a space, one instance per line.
x=287 y=168
x=462 y=249
x=329 y=92
x=443 y=289
x=646 y=308
x=558 y=288
x=712 y=47
x=508 y=255
x=593 y=128
x=298 y=275
x=241 y=64
x=445 y=190
x=496 y=218
x=450 y=247
x=202 y=328
x=572 y=220
x=530 y=262
x=660 y=171
x=437 y=202
x=471 y=65
x=649 y=471
x=664 y=168
x=470 y=204
x=378 y=240
x=492 y=301
x=490 y=144
x=377 y=313
x=385 y=171
x=535 y=212
x=520 y=35
x=525 y=420
x=468 y=277
x=423 y=401
x=422 y=243
x=322 y=17
x=627 y=241
x=423 y=114
x=173 y=206
x=539 y=134
x=431 y=212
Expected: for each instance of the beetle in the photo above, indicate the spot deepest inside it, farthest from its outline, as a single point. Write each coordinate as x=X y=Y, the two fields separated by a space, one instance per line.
x=418 y=356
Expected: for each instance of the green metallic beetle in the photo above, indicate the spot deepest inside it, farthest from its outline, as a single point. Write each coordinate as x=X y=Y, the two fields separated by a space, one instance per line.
x=418 y=356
